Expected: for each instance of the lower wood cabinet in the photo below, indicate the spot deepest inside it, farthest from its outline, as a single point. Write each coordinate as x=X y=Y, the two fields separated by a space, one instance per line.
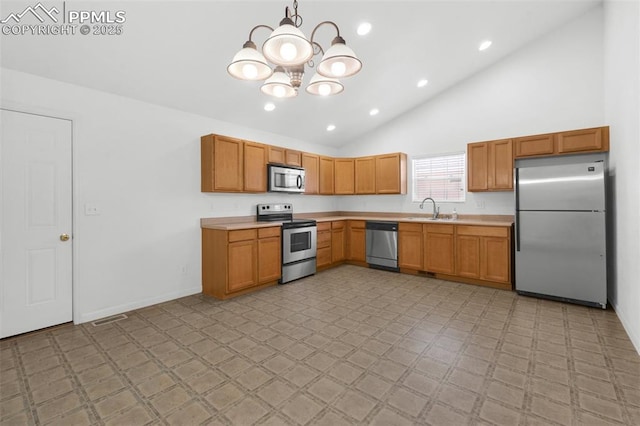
x=475 y=253
x=323 y=254
x=337 y=241
x=239 y=261
x=356 y=241
x=439 y=249
x=410 y=243
x=484 y=252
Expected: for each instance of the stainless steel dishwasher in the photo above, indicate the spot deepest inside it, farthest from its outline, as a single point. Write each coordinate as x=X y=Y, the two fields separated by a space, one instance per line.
x=382 y=245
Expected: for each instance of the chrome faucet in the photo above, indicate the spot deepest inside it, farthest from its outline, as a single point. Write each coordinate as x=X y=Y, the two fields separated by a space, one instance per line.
x=436 y=210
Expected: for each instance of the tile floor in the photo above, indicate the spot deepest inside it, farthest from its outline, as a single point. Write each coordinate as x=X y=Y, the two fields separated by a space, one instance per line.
x=348 y=346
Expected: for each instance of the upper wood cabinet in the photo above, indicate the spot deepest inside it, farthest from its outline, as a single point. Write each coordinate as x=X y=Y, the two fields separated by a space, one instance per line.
x=276 y=154
x=344 y=176
x=311 y=166
x=234 y=165
x=222 y=164
x=255 y=167
x=365 y=175
x=477 y=166
x=534 y=145
x=326 y=176
x=490 y=166
x=594 y=139
x=293 y=158
x=391 y=173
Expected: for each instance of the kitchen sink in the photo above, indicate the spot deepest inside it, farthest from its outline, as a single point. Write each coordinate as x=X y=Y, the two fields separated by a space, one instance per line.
x=429 y=219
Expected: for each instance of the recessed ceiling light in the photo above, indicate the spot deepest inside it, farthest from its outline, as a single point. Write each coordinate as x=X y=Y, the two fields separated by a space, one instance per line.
x=484 y=45
x=423 y=82
x=364 y=28
x=331 y=128
x=374 y=111
x=269 y=107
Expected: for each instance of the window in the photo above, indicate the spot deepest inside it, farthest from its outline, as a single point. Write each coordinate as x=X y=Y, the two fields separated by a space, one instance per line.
x=440 y=177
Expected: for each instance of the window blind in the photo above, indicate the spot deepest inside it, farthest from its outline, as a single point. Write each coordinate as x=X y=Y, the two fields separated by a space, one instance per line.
x=439 y=177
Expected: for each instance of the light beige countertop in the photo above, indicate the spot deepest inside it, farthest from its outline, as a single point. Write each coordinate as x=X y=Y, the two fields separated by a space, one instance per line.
x=249 y=222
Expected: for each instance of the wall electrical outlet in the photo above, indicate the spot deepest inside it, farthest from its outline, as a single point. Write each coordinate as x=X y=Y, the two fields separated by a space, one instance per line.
x=184 y=269
x=480 y=204
x=91 y=210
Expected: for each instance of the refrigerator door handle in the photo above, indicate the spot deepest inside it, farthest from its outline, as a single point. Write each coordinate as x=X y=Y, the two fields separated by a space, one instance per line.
x=517 y=218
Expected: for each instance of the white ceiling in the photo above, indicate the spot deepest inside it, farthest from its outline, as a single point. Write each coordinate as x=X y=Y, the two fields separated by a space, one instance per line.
x=175 y=53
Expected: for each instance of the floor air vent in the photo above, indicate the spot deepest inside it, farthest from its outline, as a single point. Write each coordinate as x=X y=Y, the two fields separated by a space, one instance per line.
x=109 y=320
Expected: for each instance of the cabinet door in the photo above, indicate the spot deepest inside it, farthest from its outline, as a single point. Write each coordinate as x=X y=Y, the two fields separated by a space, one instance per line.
x=227 y=164
x=293 y=158
x=356 y=242
x=337 y=241
x=583 y=140
x=439 y=254
x=344 y=176
x=500 y=167
x=391 y=174
x=269 y=260
x=255 y=167
x=326 y=175
x=530 y=146
x=243 y=265
x=365 y=170
x=311 y=165
x=276 y=155
x=323 y=257
x=495 y=259
x=477 y=173
x=410 y=252
x=468 y=256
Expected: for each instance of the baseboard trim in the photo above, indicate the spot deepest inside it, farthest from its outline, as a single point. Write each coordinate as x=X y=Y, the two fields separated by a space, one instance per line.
x=126 y=307
x=635 y=339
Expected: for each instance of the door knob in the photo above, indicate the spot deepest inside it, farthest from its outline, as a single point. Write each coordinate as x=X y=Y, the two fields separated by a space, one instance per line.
x=64 y=237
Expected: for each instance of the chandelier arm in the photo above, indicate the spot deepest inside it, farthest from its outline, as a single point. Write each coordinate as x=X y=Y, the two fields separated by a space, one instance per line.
x=321 y=24
x=315 y=45
x=256 y=27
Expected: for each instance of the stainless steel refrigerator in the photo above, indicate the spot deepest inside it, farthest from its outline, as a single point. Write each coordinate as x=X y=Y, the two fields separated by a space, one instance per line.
x=560 y=228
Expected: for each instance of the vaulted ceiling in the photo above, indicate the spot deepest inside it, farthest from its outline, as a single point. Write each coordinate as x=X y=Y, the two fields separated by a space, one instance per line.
x=175 y=54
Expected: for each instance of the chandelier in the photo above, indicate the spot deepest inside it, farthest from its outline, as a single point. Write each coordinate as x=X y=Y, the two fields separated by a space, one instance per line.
x=289 y=50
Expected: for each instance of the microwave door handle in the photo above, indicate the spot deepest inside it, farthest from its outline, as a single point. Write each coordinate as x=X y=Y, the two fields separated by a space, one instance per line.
x=299 y=181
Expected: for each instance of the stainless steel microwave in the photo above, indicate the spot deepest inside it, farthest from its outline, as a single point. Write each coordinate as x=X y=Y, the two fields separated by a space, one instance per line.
x=285 y=178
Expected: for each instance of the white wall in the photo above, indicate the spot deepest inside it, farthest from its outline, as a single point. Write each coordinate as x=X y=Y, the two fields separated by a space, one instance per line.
x=622 y=112
x=552 y=84
x=140 y=165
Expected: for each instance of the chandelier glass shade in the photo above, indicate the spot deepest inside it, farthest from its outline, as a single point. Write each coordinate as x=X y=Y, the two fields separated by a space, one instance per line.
x=289 y=50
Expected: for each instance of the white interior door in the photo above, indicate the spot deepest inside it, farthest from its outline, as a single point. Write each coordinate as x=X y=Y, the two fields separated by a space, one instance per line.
x=36 y=267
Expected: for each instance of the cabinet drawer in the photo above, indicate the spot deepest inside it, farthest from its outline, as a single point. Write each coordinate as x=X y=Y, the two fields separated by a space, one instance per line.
x=324 y=226
x=357 y=224
x=339 y=224
x=484 y=231
x=242 y=235
x=324 y=239
x=269 y=232
x=439 y=229
x=410 y=227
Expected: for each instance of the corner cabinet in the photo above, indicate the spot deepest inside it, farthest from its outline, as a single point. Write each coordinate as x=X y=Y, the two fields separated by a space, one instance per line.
x=344 y=176
x=365 y=175
x=239 y=261
x=490 y=166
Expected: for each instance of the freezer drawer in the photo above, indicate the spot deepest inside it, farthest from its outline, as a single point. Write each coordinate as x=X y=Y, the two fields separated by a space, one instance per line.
x=562 y=254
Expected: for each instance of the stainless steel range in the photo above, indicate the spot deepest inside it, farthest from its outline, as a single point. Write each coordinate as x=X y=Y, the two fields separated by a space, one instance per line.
x=299 y=238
